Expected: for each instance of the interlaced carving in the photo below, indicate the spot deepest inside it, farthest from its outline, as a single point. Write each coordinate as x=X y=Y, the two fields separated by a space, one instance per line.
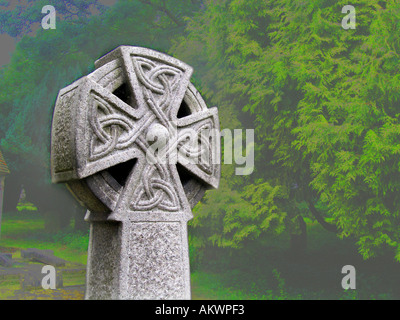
x=195 y=146
x=156 y=191
x=111 y=129
x=161 y=80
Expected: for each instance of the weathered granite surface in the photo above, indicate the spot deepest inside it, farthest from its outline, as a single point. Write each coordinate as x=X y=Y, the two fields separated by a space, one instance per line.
x=137 y=145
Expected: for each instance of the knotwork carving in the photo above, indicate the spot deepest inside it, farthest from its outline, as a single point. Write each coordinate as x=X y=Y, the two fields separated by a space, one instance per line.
x=156 y=191
x=111 y=130
x=194 y=144
x=161 y=79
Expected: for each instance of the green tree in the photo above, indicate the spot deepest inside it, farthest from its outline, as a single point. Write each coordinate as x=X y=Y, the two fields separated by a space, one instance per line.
x=324 y=102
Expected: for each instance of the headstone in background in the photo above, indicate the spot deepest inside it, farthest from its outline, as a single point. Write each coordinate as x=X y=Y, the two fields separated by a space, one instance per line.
x=22 y=195
x=32 y=277
x=43 y=256
x=4 y=171
x=139 y=202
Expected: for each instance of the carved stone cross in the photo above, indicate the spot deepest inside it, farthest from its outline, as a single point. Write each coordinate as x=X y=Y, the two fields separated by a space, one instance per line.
x=136 y=145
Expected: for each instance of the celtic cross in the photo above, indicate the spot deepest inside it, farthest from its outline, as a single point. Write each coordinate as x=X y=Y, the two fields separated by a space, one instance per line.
x=136 y=145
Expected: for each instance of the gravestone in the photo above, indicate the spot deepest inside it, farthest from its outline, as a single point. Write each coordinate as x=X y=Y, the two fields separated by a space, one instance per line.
x=43 y=256
x=137 y=145
x=32 y=277
x=6 y=259
x=4 y=171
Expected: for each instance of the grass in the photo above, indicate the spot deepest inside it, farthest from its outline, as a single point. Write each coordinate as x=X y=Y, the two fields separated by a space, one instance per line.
x=208 y=286
x=20 y=232
x=260 y=272
x=25 y=229
x=27 y=206
x=23 y=233
x=273 y=272
x=214 y=286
